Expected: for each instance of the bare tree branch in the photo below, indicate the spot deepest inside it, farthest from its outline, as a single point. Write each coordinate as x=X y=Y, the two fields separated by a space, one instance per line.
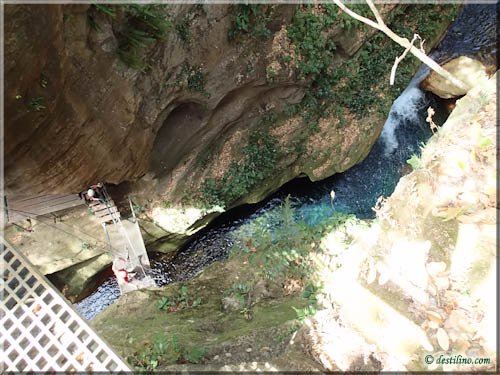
x=432 y=124
x=356 y=16
x=380 y=25
x=378 y=17
x=400 y=58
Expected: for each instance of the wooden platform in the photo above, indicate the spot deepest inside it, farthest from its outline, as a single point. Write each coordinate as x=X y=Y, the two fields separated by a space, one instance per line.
x=21 y=208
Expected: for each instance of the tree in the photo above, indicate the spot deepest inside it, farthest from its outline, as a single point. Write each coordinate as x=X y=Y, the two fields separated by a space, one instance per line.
x=409 y=47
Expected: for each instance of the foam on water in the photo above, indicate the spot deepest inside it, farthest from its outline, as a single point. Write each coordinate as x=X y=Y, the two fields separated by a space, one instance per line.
x=405 y=108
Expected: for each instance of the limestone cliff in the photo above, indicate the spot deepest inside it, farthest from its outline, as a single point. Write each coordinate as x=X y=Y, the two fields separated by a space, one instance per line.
x=186 y=95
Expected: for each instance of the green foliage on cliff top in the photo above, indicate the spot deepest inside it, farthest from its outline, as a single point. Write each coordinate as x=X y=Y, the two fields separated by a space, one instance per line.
x=312 y=44
x=250 y=19
x=309 y=32
x=145 y=25
x=354 y=87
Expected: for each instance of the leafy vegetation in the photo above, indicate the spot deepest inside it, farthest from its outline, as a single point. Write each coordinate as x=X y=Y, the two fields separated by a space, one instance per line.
x=151 y=357
x=278 y=244
x=138 y=209
x=303 y=313
x=131 y=50
x=145 y=25
x=163 y=351
x=333 y=88
x=309 y=292
x=181 y=301
x=307 y=33
x=415 y=162
x=251 y=19
x=257 y=164
x=44 y=81
x=240 y=291
x=105 y=9
x=195 y=79
x=182 y=28
x=192 y=77
x=36 y=104
x=194 y=354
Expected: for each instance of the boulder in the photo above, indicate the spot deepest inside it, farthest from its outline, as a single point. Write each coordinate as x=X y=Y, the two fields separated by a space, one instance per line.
x=468 y=70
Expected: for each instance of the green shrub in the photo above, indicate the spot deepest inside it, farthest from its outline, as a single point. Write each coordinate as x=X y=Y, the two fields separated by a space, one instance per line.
x=315 y=52
x=149 y=358
x=257 y=164
x=309 y=292
x=194 y=354
x=279 y=244
x=196 y=79
x=192 y=77
x=37 y=104
x=105 y=9
x=182 y=28
x=250 y=19
x=145 y=25
x=239 y=291
x=150 y=18
x=307 y=33
x=181 y=301
x=303 y=313
x=164 y=351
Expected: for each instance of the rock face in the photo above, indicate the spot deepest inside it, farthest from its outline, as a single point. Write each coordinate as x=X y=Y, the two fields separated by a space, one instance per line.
x=180 y=107
x=467 y=70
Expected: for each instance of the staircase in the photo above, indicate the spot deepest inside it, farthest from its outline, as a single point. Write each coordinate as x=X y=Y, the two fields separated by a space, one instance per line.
x=105 y=212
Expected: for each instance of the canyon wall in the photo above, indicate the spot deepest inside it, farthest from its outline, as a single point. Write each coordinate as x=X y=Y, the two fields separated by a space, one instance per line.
x=202 y=104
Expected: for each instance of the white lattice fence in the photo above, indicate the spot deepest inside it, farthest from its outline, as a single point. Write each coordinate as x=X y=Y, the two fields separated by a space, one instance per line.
x=40 y=330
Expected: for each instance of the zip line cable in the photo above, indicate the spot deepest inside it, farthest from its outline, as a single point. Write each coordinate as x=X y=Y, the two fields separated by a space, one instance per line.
x=28 y=214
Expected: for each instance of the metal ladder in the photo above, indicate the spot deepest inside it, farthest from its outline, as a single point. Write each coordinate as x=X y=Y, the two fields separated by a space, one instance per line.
x=108 y=214
x=105 y=212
